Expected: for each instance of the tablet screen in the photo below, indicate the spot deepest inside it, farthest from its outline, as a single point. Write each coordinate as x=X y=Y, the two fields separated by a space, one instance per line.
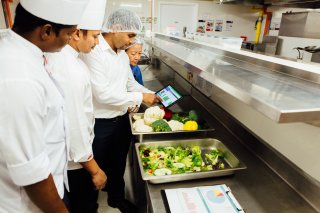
x=168 y=95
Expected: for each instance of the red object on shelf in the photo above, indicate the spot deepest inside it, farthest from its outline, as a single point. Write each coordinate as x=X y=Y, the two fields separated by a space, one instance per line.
x=167 y=113
x=244 y=38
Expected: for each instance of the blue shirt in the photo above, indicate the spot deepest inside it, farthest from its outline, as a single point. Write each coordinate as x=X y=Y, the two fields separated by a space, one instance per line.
x=137 y=74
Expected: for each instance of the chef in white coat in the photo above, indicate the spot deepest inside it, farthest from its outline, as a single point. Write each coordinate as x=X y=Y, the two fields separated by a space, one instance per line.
x=115 y=92
x=33 y=154
x=84 y=175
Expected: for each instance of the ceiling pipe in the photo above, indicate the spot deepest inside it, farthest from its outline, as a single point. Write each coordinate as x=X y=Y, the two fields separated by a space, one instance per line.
x=258 y=24
x=8 y=13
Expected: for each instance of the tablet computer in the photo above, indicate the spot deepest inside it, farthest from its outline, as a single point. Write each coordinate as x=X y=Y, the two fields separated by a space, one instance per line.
x=169 y=95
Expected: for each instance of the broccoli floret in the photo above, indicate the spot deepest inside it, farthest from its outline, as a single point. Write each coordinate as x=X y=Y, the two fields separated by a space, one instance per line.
x=160 y=126
x=180 y=118
x=193 y=116
x=175 y=116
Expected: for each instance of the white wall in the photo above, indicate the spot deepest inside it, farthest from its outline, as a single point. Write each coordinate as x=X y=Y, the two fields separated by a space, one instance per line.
x=141 y=7
x=243 y=17
x=2 y=20
x=286 y=45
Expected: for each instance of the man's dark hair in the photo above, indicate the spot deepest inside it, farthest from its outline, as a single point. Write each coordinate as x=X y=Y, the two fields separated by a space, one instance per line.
x=84 y=32
x=25 y=22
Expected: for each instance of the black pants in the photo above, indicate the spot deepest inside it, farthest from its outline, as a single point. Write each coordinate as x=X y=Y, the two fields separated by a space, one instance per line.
x=110 y=148
x=82 y=196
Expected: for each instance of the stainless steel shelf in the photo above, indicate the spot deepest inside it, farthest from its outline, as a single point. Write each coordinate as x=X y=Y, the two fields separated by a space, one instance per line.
x=284 y=91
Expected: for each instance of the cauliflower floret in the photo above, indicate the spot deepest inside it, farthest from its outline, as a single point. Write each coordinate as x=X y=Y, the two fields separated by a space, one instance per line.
x=138 y=123
x=136 y=117
x=175 y=125
x=152 y=114
x=149 y=121
x=143 y=128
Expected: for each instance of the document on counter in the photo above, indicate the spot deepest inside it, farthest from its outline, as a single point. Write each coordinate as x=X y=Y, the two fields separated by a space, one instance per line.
x=210 y=199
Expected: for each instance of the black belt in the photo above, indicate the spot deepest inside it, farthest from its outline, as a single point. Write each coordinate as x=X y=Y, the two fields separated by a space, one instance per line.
x=115 y=119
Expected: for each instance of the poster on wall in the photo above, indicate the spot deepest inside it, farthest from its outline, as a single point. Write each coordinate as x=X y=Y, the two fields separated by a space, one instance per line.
x=201 y=26
x=229 y=25
x=218 y=26
x=209 y=25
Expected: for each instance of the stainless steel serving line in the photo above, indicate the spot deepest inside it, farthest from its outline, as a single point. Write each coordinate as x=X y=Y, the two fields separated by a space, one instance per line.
x=258 y=188
x=282 y=90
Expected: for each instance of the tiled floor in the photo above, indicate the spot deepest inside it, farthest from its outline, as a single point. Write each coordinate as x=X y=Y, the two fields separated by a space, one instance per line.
x=103 y=206
x=102 y=200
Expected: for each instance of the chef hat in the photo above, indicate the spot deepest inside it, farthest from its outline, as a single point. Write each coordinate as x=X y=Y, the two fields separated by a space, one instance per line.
x=92 y=18
x=122 y=20
x=67 y=12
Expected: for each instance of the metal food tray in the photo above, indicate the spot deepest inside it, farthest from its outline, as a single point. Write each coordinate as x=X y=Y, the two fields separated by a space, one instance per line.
x=151 y=136
x=206 y=145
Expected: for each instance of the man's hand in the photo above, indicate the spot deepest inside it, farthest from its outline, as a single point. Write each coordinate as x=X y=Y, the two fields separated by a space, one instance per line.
x=133 y=109
x=150 y=99
x=99 y=179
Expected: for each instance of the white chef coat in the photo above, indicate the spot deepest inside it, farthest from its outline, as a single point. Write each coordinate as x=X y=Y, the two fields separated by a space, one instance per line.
x=32 y=136
x=74 y=78
x=113 y=85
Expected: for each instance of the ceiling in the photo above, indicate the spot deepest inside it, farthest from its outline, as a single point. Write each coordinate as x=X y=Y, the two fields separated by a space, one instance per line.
x=285 y=3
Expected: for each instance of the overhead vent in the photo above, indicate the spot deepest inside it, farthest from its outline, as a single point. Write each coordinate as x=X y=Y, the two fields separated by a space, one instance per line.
x=243 y=2
x=294 y=3
x=283 y=3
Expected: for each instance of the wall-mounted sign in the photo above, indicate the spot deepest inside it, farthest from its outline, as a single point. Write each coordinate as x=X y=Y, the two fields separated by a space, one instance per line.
x=229 y=25
x=201 y=25
x=218 y=26
x=209 y=25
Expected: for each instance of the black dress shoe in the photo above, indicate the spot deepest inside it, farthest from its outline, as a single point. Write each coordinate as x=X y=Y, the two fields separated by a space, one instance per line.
x=125 y=206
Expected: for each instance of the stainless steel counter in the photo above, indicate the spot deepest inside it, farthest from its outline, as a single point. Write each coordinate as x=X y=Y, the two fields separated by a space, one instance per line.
x=258 y=188
x=266 y=85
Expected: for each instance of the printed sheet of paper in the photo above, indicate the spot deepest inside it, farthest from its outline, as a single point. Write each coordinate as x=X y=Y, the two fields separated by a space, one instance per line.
x=210 y=199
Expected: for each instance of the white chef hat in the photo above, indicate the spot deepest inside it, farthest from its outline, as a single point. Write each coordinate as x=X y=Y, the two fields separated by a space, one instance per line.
x=92 y=18
x=67 y=12
x=122 y=20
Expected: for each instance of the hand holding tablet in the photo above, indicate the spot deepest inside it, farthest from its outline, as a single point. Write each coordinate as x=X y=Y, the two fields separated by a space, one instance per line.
x=169 y=96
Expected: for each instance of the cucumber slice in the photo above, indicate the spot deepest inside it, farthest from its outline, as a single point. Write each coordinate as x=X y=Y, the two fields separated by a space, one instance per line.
x=161 y=172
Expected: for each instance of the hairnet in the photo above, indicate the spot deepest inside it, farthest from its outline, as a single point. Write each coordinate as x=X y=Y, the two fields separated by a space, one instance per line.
x=122 y=20
x=136 y=41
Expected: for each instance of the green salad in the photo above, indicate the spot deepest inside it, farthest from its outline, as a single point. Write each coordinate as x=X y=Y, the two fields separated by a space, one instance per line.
x=167 y=160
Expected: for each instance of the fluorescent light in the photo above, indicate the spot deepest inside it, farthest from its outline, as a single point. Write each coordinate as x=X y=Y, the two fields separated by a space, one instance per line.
x=130 y=5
